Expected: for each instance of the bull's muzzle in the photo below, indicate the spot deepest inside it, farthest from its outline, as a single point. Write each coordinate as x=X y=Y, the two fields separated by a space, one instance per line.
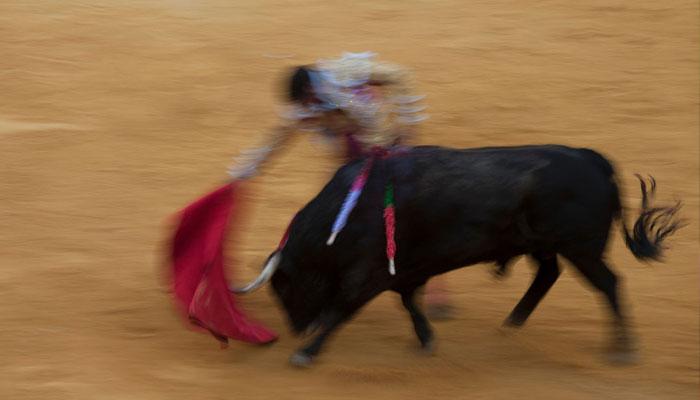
x=267 y=272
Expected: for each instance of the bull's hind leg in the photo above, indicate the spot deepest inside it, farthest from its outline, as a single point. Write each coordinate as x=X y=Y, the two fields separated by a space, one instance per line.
x=602 y=278
x=420 y=322
x=547 y=274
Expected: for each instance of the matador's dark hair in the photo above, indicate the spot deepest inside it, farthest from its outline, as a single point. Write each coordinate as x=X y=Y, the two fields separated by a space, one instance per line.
x=299 y=83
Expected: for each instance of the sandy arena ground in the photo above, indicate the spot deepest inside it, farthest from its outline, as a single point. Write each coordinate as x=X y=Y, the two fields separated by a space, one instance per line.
x=114 y=114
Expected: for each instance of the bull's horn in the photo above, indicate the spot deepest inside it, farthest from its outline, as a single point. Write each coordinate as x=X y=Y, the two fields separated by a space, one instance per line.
x=264 y=276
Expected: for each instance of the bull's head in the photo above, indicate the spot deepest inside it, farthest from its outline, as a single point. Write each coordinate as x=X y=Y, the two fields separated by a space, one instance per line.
x=302 y=293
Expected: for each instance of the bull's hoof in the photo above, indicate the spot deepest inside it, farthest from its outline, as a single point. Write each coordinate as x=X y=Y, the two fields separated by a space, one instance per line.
x=622 y=354
x=428 y=347
x=513 y=322
x=301 y=360
x=440 y=312
x=627 y=357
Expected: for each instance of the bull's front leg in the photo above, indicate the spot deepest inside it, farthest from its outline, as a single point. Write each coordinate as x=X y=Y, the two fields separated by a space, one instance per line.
x=420 y=322
x=329 y=324
x=355 y=292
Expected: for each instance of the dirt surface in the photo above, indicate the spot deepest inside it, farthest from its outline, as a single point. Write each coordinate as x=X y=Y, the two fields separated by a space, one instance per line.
x=114 y=114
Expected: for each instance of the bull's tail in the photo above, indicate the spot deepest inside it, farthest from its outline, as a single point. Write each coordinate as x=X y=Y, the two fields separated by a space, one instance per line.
x=653 y=225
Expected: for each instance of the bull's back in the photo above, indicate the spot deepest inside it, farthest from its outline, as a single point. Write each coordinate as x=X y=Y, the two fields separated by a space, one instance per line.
x=481 y=201
x=516 y=171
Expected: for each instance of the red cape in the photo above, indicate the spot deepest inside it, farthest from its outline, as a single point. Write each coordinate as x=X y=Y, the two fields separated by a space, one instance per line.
x=197 y=270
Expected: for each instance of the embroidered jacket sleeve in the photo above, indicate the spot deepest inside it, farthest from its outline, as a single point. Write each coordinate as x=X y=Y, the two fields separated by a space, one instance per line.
x=250 y=161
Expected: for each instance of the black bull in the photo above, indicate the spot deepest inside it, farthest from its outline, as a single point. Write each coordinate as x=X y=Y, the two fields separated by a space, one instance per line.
x=456 y=208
